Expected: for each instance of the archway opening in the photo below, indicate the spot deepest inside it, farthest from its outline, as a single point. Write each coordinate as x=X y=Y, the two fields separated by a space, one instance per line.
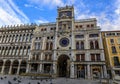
x=34 y=67
x=15 y=67
x=7 y=66
x=1 y=65
x=23 y=67
x=63 y=66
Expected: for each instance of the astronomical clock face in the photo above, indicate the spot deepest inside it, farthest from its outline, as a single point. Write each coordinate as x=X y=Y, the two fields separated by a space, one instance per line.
x=65 y=14
x=64 y=42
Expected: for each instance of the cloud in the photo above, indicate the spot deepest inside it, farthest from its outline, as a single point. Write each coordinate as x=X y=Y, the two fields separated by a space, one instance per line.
x=49 y=3
x=10 y=14
x=41 y=20
x=32 y=6
x=52 y=4
x=107 y=19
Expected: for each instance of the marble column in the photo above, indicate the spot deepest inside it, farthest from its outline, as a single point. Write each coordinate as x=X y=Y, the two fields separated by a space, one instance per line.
x=18 y=69
x=105 y=71
x=10 y=70
x=54 y=68
x=102 y=71
x=1 y=39
x=88 y=71
x=72 y=70
x=3 y=67
x=28 y=68
x=40 y=68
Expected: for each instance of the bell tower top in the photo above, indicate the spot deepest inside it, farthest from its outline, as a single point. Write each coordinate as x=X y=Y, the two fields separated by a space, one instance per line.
x=65 y=12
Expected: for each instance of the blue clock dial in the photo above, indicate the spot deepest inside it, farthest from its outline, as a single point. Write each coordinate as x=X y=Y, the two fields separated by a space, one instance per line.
x=64 y=42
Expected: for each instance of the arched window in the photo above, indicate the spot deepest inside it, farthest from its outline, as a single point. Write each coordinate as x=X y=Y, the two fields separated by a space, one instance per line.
x=91 y=45
x=47 y=46
x=17 y=51
x=28 y=51
x=6 y=51
x=20 y=38
x=13 y=51
x=10 y=51
x=51 y=46
x=16 y=39
x=96 y=45
x=27 y=38
x=21 y=51
x=45 y=57
x=38 y=46
x=25 y=51
x=13 y=38
x=3 y=50
x=77 y=45
x=82 y=45
x=37 y=56
x=6 y=39
x=23 y=37
x=0 y=50
x=31 y=35
x=50 y=57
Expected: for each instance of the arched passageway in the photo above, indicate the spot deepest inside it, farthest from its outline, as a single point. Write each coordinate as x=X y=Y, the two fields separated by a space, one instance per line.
x=34 y=67
x=1 y=65
x=15 y=67
x=23 y=67
x=63 y=66
x=7 y=67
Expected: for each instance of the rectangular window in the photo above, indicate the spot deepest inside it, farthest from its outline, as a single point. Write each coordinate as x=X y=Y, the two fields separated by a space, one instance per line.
x=98 y=57
x=79 y=36
x=82 y=57
x=46 y=56
x=112 y=41
x=93 y=35
x=92 y=57
x=118 y=34
x=114 y=49
x=77 y=57
x=50 y=57
x=110 y=34
x=117 y=72
x=116 y=61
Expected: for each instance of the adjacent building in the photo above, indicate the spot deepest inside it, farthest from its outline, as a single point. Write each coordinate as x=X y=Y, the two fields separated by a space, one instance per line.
x=66 y=48
x=111 y=41
x=15 y=44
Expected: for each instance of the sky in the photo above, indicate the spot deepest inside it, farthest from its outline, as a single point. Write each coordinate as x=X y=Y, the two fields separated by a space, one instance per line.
x=13 y=12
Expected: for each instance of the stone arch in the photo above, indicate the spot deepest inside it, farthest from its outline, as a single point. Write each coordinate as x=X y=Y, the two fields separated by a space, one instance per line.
x=3 y=49
x=77 y=45
x=0 y=50
x=63 y=65
x=82 y=45
x=51 y=46
x=15 y=66
x=7 y=66
x=1 y=64
x=96 y=44
x=91 y=45
x=23 y=67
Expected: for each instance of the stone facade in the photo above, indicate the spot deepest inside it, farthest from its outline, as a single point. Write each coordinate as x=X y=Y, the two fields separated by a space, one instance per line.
x=67 y=48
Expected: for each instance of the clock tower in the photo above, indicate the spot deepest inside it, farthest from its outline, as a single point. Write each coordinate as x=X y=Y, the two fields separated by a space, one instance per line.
x=64 y=42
